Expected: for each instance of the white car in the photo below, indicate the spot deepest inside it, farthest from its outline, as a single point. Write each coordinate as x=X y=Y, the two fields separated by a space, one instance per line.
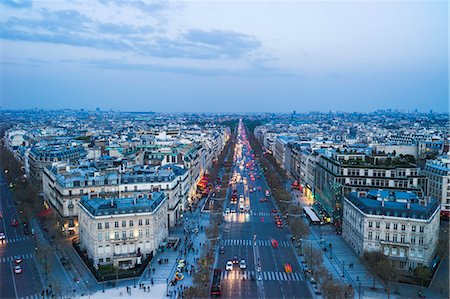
x=17 y=259
x=17 y=269
x=2 y=236
x=233 y=211
x=243 y=264
x=227 y=211
x=229 y=266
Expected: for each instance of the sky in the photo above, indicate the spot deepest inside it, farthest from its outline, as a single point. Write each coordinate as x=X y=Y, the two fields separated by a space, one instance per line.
x=224 y=56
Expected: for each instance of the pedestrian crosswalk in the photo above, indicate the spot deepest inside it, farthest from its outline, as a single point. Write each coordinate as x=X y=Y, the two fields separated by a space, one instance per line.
x=265 y=275
x=8 y=259
x=34 y=296
x=236 y=242
x=261 y=213
x=13 y=240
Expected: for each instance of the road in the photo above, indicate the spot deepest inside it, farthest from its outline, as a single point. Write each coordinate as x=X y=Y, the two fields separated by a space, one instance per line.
x=248 y=235
x=28 y=284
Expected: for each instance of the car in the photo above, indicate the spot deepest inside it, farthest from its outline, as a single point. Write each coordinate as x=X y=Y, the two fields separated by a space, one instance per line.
x=26 y=230
x=14 y=222
x=2 y=236
x=227 y=211
x=235 y=260
x=274 y=211
x=274 y=243
x=17 y=269
x=229 y=266
x=233 y=211
x=243 y=264
x=17 y=259
x=221 y=250
x=279 y=224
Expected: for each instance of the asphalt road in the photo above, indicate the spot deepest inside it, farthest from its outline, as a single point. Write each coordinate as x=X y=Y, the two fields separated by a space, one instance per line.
x=248 y=235
x=28 y=283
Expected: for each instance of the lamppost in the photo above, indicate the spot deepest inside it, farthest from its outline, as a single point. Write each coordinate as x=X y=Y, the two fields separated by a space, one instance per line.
x=359 y=290
x=167 y=287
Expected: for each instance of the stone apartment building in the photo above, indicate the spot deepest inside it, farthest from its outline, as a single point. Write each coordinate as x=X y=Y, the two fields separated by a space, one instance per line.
x=401 y=225
x=123 y=231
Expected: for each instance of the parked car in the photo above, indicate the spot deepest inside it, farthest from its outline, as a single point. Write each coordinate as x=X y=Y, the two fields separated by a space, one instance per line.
x=2 y=236
x=221 y=250
x=243 y=264
x=17 y=259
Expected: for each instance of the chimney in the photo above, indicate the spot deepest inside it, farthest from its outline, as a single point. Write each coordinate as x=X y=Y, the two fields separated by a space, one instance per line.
x=408 y=204
x=149 y=196
x=134 y=200
x=112 y=201
x=382 y=202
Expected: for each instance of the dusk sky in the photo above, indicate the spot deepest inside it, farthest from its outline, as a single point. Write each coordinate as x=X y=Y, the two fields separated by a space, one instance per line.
x=225 y=56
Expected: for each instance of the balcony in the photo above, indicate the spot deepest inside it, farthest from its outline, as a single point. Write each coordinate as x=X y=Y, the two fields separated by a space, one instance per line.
x=120 y=240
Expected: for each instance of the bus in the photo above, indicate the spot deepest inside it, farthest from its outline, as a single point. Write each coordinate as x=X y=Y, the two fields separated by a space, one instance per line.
x=215 y=286
x=312 y=216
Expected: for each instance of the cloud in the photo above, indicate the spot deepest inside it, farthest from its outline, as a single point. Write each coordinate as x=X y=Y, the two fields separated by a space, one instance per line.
x=70 y=27
x=17 y=3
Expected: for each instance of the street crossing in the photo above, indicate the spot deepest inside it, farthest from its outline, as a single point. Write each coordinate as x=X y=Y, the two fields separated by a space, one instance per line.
x=13 y=240
x=266 y=275
x=235 y=242
x=8 y=259
x=34 y=296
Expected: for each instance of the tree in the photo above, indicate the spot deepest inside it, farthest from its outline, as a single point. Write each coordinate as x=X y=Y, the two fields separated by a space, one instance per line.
x=423 y=273
x=382 y=267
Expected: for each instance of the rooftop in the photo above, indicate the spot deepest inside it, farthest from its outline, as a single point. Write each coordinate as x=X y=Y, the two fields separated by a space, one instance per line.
x=394 y=204
x=97 y=206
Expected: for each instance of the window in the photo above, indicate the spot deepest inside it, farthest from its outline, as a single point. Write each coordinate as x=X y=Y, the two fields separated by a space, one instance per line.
x=147 y=221
x=107 y=236
x=141 y=233
x=370 y=223
x=100 y=249
x=413 y=239
x=116 y=235
x=394 y=237
x=100 y=236
x=106 y=224
x=377 y=236
x=370 y=236
x=131 y=223
x=402 y=238
x=108 y=259
x=421 y=229
x=403 y=227
x=100 y=260
x=413 y=228
x=412 y=252
x=395 y=226
x=147 y=232
x=394 y=250
x=99 y=225
x=131 y=234
x=140 y=222
x=421 y=240
x=116 y=223
x=124 y=235
x=377 y=224
x=124 y=223
x=388 y=225
x=386 y=250
x=420 y=253
x=386 y=237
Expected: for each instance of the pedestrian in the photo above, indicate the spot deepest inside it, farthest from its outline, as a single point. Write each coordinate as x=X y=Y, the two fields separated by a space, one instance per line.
x=148 y=288
x=151 y=280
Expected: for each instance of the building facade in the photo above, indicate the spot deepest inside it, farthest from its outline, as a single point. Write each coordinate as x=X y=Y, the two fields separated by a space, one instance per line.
x=400 y=225
x=438 y=185
x=123 y=231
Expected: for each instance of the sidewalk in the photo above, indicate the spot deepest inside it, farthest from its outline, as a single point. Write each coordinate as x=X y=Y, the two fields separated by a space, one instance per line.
x=188 y=250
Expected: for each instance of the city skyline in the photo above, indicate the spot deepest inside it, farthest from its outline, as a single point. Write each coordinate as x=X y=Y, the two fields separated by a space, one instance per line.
x=197 y=56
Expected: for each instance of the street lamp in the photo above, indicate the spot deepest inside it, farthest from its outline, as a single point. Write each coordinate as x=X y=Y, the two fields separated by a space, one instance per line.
x=359 y=290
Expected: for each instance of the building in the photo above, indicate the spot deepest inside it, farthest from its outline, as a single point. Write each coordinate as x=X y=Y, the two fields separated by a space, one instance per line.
x=40 y=157
x=438 y=185
x=342 y=171
x=64 y=185
x=400 y=225
x=122 y=231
